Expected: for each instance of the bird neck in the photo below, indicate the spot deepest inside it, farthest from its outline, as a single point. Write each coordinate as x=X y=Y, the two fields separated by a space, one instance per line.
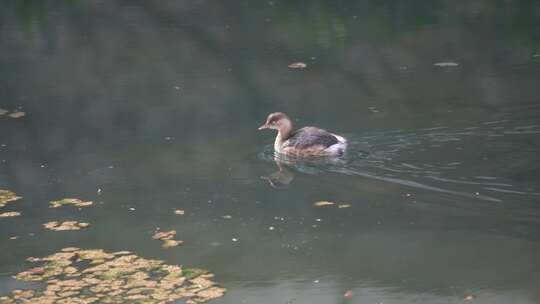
x=280 y=139
x=285 y=130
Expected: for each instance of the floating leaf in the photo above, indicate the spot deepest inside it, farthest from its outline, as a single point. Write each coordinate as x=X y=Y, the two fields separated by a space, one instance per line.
x=67 y=225
x=191 y=273
x=171 y=243
x=446 y=64
x=22 y=294
x=297 y=65
x=10 y=214
x=164 y=235
x=14 y=114
x=7 y=196
x=210 y=293
x=323 y=203
x=69 y=249
x=17 y=114
x=70 y=201
x=68 y=278
x=179 y=212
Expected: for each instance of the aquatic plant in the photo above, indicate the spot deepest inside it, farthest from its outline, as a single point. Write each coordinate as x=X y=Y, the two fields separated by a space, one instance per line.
x=75 y=275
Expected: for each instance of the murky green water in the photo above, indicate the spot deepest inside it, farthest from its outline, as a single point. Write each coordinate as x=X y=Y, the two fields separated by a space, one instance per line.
x=157 y=104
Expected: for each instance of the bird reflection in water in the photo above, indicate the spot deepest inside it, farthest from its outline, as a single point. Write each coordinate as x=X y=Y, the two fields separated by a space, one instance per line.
x=281 y=178
x=287 y=165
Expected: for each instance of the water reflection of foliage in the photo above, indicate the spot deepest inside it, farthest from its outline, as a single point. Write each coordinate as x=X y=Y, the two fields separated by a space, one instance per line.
x=329 y=23
x=332 y=23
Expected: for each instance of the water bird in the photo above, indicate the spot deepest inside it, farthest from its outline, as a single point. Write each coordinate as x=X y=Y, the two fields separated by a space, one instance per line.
x=304 y=142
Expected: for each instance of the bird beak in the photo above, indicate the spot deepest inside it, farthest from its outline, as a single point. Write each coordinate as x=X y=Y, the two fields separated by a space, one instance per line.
x=265 y=126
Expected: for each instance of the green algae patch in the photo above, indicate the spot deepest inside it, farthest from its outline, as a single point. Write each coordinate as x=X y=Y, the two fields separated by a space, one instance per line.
x=7 y=196
x=70 y=202
x=75 y=275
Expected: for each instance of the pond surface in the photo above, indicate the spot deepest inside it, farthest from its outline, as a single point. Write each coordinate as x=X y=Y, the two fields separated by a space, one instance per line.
x=147 y=107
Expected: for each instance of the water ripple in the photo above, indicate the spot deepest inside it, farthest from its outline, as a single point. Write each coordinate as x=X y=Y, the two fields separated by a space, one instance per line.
x=408 y=158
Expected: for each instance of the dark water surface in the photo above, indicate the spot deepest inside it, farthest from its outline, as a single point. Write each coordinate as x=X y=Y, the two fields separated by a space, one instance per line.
x=156 y=103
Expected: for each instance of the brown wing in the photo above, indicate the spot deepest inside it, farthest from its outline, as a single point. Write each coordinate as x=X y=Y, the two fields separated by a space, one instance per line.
x=311 y=136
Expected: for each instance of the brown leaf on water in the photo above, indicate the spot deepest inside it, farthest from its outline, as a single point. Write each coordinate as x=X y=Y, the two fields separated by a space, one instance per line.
x=7 y=196
x=164 y=235
x=112 y=279
x=10 y=214
x=93 y=254
x=323 y=203
x=70 y=249
x=171 y=243
x=297 y=65
x=446 y=64
x=64 y=226
x=210 y=293
x=201 y=282
x=70 y=201
x=22 y=294
x=50 y=225
x=36 y=270
x=17 y=114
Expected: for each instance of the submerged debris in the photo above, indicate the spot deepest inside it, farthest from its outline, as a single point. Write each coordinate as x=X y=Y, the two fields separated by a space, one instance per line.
x=67 y=225
x=93 y=276
x=166 y=237
x=70 y=201
x=7 y=196
x=10 y=214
